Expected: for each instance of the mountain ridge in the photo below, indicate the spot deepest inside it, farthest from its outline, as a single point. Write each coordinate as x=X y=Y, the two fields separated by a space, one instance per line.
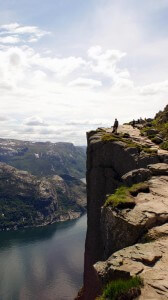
x=27 y=200
x=44 y=158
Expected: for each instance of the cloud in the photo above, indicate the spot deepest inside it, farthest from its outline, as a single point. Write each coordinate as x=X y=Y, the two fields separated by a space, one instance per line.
x=10 y=39
x=110 y=55
x=85 y=83
x=105 y=62
x=35 y=121
x=21 y=67
x=60 y=66
x=3 y=118
x=10 y=27
x=85 y=123
x=4 y=86
x=154 y=88
x=13 y=30
x=60 y=97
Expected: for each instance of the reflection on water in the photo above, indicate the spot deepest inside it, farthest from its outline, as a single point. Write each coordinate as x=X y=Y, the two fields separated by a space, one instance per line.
x=42 y=263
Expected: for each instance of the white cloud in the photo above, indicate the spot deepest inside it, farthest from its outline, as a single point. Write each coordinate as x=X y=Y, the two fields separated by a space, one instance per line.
x=94 y=52
x=61 y=66
x=10 y=39
x=105 y=62
x=85 y=83
x=59 y=98
x=3 y=118
x=154 y=88
x=13 y=30
x=35 y=121
x=110 y=55
x=88 y=123
x=10 y=27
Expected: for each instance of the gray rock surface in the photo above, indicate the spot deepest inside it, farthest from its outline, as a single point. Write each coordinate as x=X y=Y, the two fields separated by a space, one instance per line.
x=121 y=228
x=112 y=229
x=148 y=260
x=159 y=169
x=136 y=176
x=152 y=131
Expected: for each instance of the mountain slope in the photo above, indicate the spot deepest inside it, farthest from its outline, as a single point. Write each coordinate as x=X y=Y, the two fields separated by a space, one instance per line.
x=26 y=200
x=43 y=159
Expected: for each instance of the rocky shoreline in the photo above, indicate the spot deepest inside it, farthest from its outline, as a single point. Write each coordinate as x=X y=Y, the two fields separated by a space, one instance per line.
x=61 y=218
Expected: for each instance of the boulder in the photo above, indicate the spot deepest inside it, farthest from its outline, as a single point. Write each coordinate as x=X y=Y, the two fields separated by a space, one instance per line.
x=126 y=135
x=157 y=232
x=121 y=228
x=136 y=176
x=149 y=120
x=152 y=132
x=157 y=140
x=158 y=169
x=145 y=260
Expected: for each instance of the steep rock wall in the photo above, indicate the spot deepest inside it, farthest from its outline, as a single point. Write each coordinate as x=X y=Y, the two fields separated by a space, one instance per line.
x=107 y=162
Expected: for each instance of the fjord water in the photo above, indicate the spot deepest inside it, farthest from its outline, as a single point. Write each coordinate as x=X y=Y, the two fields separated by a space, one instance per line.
x=42 y=263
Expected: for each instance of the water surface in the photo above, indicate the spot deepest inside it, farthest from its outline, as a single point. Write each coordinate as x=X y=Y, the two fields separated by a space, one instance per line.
x=42 y=263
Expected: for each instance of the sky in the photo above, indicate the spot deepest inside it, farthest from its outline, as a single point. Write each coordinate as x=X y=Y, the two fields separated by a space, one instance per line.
x=70 y=66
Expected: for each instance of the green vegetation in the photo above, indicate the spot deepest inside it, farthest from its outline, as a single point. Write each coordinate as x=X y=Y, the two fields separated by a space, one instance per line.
x=123 y=196
x=164 y=145
x=148 y=150
x=160 y=125
x=137 y=188
x=26 y=200
x=119 y=287
x=16 y=212
x=109 y=137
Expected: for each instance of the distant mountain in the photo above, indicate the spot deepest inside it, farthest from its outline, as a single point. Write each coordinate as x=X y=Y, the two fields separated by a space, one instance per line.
x=44 y=158
x=27 y=200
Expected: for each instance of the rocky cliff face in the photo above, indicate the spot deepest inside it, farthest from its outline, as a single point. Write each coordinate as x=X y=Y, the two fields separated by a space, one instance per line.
x=117 y=242
x=26 y=200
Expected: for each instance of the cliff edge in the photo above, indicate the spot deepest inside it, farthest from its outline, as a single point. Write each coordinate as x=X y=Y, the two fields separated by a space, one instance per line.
x=127 y=202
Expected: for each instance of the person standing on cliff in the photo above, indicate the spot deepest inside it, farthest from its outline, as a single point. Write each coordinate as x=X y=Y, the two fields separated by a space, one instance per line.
x=115 y=126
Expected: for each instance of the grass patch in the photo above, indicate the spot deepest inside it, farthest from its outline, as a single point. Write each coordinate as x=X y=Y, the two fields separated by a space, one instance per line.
x=148 y=150
x=119 y=287
x=160 y=124
x=123 y=196
x=137 y=188
x=109 y=137
x=164 y=145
